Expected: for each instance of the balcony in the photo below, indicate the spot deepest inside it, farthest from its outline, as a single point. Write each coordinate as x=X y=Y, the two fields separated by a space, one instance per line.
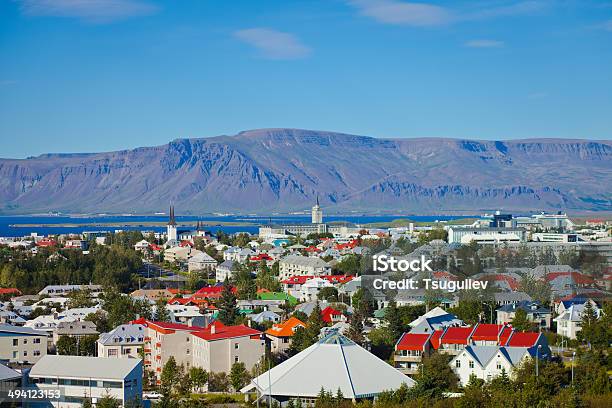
x=409 y=358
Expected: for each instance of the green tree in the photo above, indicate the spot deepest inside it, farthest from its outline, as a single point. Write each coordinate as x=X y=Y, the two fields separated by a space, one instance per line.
x=199 y=378
x=239 y=376
x=228 y=311
x=161 y=312
x=329 y=294
x=66 y=346
x=108 y=401
x=394 y=321
x=521 y=322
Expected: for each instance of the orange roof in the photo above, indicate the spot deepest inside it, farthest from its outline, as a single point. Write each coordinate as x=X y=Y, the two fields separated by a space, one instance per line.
x=286 y=329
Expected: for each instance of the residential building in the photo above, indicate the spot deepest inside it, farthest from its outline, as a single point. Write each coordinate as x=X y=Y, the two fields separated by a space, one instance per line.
x=152 y=294
x=225 y=270
x=436 y=319
x=487 y=362
x=280 y=335
x=410 y=350
x=76 y=329
x=569 y=322
x=164 y=340
x=536 y=313
x=293 y=265
x=201 y=262
x=88 y=377
x=218 y=347
x=123 y=341
x=22 y=344
x=63 y=290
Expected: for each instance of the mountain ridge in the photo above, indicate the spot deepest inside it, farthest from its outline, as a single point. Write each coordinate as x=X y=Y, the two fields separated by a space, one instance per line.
x=280 y=169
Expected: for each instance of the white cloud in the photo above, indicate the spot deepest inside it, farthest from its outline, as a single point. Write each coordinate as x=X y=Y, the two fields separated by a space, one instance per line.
x=94 y=11
x=509 y=10
x=398 y=12
x=274 y=44
x=484 y=44
x=425 y=14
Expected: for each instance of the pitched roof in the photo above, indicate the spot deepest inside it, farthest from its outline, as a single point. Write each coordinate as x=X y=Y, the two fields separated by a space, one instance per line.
x=219 y=331
x=334 y=362
x=435 y=338
x=286 y=329
x=523 y=339
x=9 y=328
x=412 y=341
x=328 y=312
x=487 y=332
x=456 y=335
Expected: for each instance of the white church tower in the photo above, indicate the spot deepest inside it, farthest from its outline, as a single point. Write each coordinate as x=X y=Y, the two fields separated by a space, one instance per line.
x=171 y=227
x=317 y=213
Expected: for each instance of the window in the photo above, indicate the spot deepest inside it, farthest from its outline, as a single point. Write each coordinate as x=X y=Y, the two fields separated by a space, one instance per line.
x=36 y=353
x=112 y=352
x=15 y=342
x=471 y=364
x=25 y=353
x=236 y=346
x=499 y=366
x=458 y=363
x=236 y=359
x=15 y=354
x=25 y=341
x=127 y=351
x=37 y=340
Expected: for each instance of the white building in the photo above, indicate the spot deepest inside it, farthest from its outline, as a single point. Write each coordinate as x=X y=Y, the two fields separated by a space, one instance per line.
x=487 y=362
x=171 y=227
x=125 y=340
x=317 y=213
x=201 y=262
x=310 y=289
x=333 y=363
x=21 y=344
x=570 y=320
x=225 y=270
x=294 y=265
x=88 y=377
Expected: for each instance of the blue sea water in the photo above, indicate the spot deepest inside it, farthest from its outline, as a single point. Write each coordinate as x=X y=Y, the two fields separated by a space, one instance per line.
x=117 y=222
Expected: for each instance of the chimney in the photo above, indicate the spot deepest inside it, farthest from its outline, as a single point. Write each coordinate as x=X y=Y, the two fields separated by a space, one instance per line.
x=249 y=322
x=189 y=322
x=213 y=329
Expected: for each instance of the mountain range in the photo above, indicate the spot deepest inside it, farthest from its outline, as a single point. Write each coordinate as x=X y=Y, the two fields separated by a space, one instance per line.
x=286 y=169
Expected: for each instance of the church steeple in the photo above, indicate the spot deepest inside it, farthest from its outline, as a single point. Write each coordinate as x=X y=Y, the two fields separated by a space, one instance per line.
x=172 y=220
x=171 y=227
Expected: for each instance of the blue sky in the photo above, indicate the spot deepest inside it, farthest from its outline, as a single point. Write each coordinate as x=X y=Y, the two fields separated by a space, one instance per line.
x=97 y=75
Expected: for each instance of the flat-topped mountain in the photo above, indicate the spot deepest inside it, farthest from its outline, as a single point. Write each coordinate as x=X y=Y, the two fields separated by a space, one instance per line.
x=285 y=169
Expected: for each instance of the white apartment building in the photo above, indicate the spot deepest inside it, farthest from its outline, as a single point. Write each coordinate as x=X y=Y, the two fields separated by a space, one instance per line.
x=487 y=362
x=218 y=347
x=22 y=344
x=295 y=265
x=87 y=377
x=125 y=340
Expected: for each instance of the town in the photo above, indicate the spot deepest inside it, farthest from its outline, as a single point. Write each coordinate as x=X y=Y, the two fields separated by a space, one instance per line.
x=299 y=315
